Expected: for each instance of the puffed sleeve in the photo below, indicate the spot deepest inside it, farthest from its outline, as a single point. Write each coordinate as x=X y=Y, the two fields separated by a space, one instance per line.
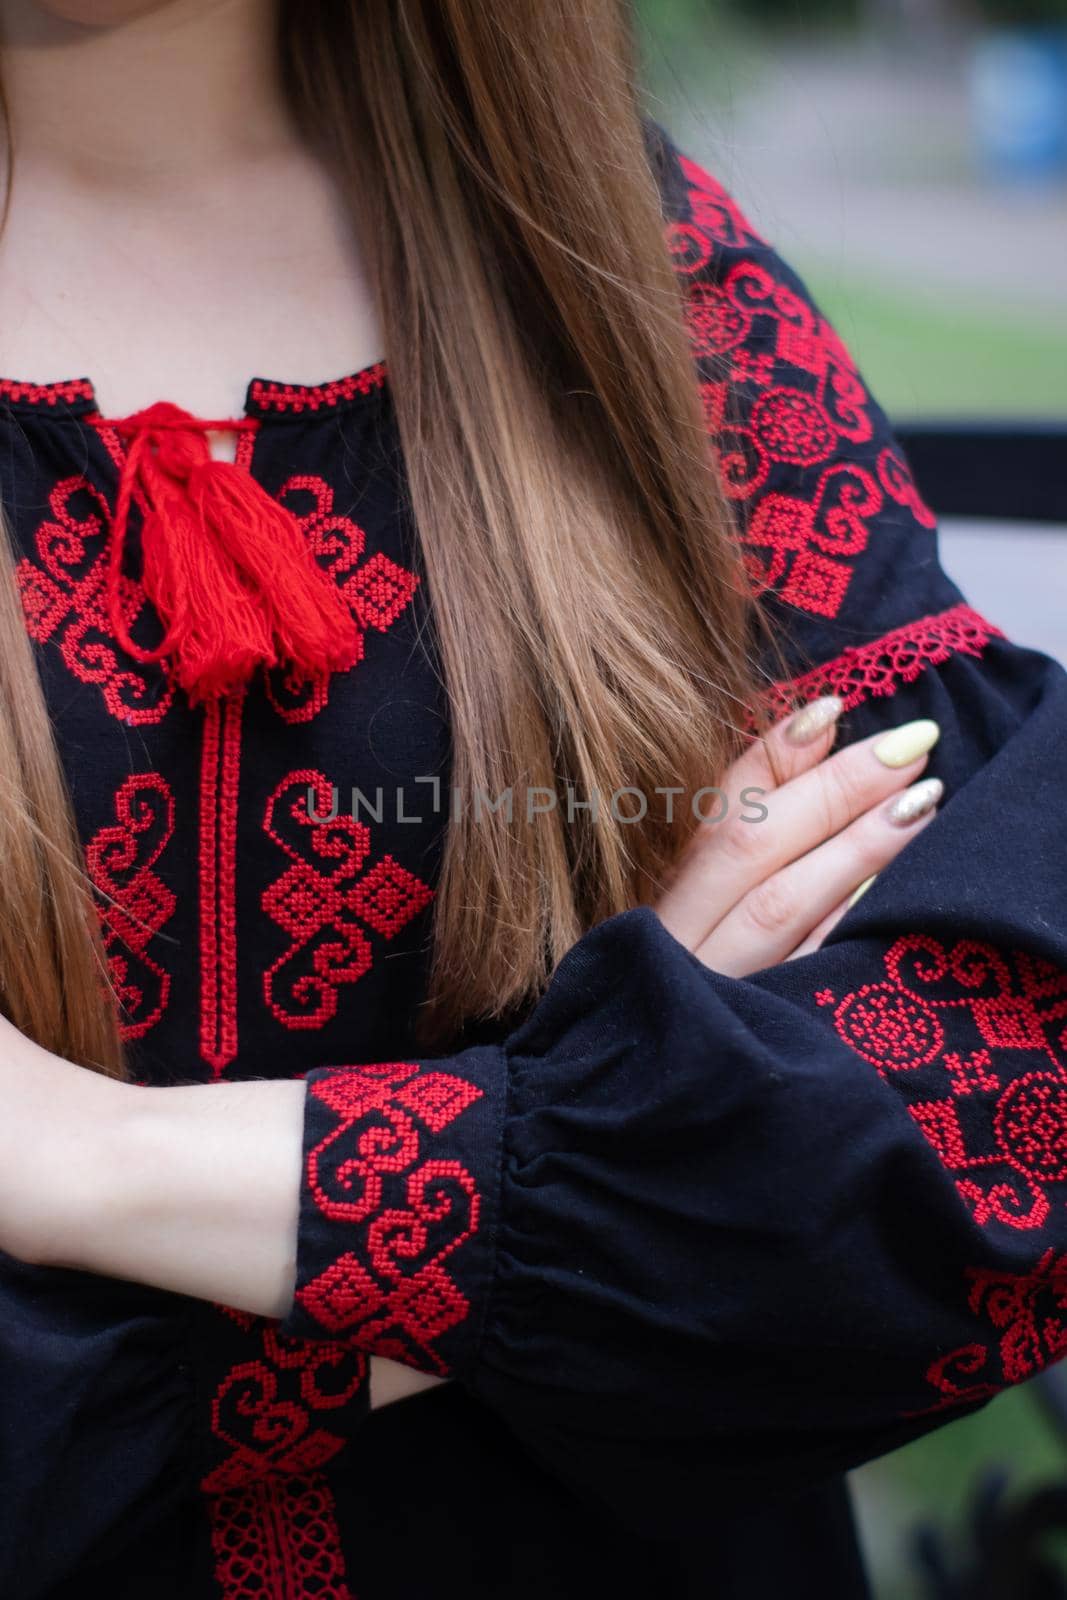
x=697 y=1236
x=96 y=1405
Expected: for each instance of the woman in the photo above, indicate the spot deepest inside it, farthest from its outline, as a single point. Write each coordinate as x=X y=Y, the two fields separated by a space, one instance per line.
x=492 y=1088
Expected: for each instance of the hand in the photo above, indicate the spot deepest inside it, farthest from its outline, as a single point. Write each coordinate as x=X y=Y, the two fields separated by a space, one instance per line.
x=751 y=893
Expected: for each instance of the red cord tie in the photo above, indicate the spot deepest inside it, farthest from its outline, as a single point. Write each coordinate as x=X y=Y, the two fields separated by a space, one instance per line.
x=226 y=567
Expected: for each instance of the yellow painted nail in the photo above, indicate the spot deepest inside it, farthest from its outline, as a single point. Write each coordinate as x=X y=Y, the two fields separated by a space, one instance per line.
x=907 y=743
x=864 y=886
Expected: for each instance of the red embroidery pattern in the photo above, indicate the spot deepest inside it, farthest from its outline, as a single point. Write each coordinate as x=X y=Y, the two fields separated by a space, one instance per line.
x=63 y=597
x=49 y=394
x=813 y=533
x=713 y=210
x=219 y=774
x=325 y=902
x=1029 y=1311
x=278 y=1541
x=879 y=668
x=805 y=399
x=273 y=1519
x=993 y=1002
x=405 y=1214
x=263 y=1408
x=135 y=903
x=295 y=398
x=220 y=771
x=378 y=591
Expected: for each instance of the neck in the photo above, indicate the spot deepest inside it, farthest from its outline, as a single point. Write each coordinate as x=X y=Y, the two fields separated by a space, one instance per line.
x=157 y=100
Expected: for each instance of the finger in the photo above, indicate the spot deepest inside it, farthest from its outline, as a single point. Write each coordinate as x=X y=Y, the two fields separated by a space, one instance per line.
x=728 y=863
x=792 y=747
x=817 y=938
x=781 y=912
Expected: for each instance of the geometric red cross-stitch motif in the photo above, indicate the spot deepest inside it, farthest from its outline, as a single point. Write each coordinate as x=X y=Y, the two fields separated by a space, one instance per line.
x=272 y=1514
x=377 y=590
x=1029 y=1313
x=813 y=514
x=327 y=900
x=63 y=594
x=133 y=902
x=264 y=1410
x=975 y=1039
x=406 y=1209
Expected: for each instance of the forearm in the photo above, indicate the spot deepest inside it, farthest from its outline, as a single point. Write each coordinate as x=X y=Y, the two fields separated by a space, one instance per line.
x=196 y=1191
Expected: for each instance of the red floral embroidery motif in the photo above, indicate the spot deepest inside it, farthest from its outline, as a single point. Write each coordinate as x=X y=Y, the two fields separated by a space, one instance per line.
x=134 y=902
x=377 y=590
x=987 y=1004
x=405 y=1213
x=326 y=899
x=1029 y=1311
x=63 y=598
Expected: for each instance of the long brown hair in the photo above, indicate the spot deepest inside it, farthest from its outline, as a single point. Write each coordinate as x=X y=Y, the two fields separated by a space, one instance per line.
x=593 y=628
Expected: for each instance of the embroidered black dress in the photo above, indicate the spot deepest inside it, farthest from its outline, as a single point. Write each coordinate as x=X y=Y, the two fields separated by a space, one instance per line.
x=689 y=1247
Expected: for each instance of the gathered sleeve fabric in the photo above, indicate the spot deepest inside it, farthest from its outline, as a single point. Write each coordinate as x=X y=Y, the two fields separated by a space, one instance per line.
x=690 y=1234
x=97 y=1443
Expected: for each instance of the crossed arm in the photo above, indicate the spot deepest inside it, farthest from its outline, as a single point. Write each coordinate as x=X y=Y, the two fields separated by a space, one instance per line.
x=196 y=1189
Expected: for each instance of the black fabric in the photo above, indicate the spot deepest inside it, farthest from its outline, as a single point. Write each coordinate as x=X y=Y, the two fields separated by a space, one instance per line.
x=688 y=1247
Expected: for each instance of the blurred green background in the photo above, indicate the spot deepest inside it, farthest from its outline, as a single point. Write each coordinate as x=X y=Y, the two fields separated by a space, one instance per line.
x=856 y=134
x=895 y=153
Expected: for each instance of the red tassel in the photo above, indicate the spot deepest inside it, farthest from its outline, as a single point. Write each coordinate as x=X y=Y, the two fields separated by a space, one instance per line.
x=226 y=567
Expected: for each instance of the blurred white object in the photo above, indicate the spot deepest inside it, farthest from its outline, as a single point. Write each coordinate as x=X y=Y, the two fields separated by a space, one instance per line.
x=1015 y=574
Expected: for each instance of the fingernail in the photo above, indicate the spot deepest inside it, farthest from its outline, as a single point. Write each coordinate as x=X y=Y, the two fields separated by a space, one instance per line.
x=907 y=743
x=807 y=724
x=864 y=886
x=916 y=801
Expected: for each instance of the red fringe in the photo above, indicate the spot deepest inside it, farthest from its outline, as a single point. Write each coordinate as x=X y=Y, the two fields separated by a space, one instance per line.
x=226 y=567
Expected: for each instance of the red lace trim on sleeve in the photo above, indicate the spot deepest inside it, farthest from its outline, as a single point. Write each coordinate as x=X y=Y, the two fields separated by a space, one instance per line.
x=879 y=668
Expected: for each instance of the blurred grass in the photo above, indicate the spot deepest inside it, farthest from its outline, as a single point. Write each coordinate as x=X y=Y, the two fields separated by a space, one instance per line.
x=924 y=351
x=923 y=348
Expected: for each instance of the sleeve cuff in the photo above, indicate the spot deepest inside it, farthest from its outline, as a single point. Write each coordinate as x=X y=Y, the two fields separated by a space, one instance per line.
x=399 y=1207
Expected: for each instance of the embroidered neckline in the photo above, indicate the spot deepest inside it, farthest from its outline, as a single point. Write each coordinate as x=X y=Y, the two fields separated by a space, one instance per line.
x=264 y=397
